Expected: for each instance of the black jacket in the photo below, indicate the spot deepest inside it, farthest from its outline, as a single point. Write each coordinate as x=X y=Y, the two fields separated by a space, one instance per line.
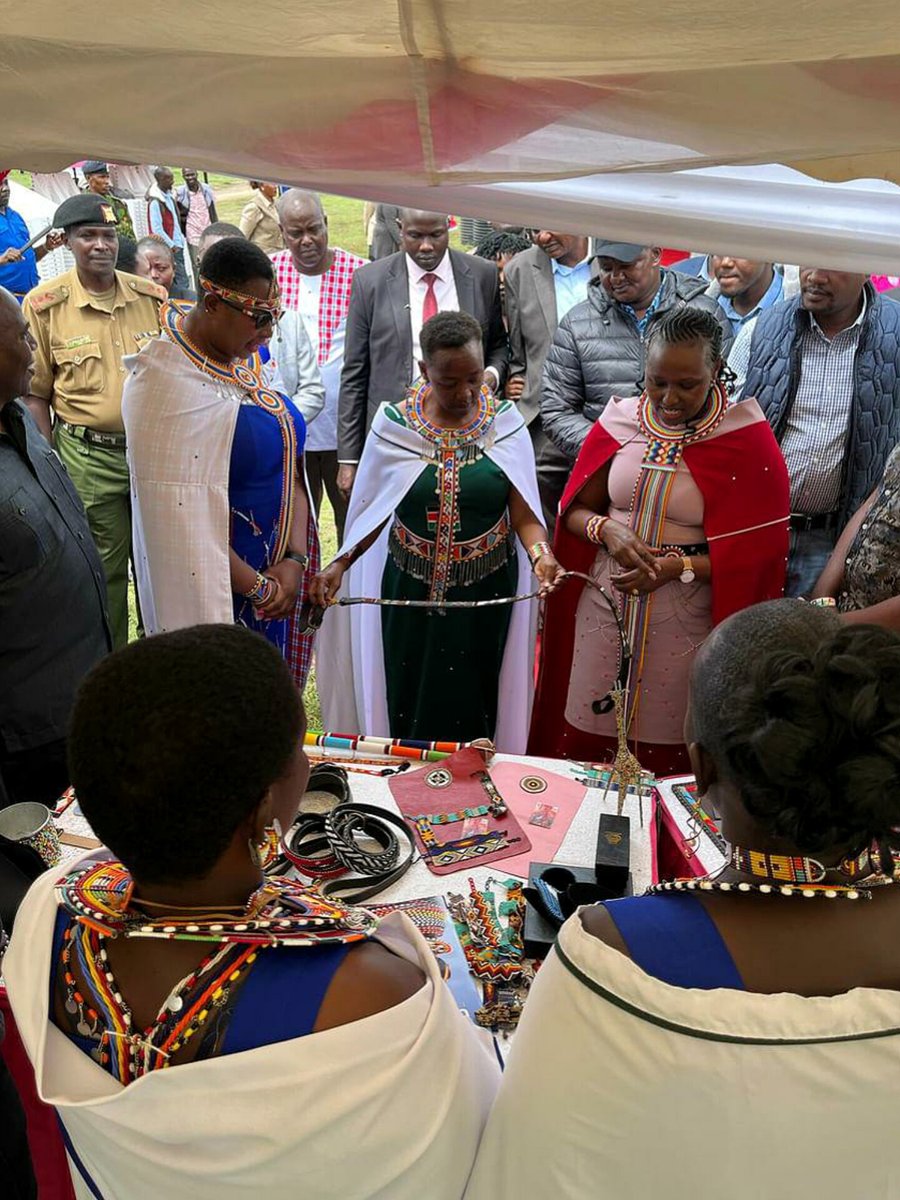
x=598 y=352
x=378 y=346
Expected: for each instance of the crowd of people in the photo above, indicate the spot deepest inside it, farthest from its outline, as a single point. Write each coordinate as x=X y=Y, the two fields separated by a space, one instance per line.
x=580 y=492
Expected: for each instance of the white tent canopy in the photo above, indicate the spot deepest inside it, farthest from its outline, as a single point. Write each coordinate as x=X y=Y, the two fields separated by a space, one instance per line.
x=390 y=99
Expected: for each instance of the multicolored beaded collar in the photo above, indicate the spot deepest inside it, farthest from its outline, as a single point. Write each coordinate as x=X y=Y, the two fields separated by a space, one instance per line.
x=655 y=431
x=470 y=432
x=279 y=912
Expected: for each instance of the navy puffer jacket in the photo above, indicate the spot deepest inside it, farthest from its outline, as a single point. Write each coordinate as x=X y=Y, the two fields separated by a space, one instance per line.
x=774 y=373
x=598 y=352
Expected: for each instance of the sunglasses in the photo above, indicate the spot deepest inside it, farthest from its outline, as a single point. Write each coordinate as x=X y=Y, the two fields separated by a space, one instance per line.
x=259 y=316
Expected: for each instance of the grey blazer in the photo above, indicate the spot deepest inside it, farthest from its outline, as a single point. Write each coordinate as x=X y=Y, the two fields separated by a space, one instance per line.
x=532 y=321
x=386 y=234
x=378 y=348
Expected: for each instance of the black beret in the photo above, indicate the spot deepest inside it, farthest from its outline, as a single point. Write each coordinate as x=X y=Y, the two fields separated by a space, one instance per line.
x=94 y=167
x=85 y=209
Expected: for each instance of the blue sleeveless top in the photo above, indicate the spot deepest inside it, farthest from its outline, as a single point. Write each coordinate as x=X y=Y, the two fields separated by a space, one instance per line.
x=674 y=939
x=279 y=999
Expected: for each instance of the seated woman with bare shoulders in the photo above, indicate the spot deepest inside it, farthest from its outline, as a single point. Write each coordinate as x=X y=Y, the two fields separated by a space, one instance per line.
x=204 y=1031
x=736 y=1036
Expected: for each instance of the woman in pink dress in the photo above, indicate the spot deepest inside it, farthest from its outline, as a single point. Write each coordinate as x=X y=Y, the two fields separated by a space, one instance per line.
x=677 y=508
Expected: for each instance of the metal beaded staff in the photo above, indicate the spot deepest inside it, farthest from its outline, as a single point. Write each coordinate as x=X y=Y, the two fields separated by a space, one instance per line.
x=312 y=615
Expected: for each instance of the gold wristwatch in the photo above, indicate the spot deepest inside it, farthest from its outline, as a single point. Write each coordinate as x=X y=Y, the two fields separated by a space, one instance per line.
x=688 y=574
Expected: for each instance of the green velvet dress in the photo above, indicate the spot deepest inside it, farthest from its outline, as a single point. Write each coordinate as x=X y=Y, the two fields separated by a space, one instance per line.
x=442 y=668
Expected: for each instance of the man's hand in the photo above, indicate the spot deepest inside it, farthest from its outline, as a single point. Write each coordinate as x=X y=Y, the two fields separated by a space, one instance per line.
x=515 y=386
x=10 y=255
x=54 y=240
x=345 y=476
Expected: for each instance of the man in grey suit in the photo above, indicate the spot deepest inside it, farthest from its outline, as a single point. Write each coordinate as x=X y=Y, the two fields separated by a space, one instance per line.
x=542 y=284
x=390 y=300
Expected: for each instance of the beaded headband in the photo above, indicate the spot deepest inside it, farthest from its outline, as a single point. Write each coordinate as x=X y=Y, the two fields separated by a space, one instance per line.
x=250 y=304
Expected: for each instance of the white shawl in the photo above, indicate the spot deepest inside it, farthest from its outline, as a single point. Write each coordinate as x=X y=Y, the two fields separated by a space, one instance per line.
x=350 y=657
x=621 y=1087
x=391 y=1107
x=180 y=426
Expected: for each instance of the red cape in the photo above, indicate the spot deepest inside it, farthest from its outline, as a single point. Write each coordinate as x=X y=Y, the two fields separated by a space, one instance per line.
x=744 y=483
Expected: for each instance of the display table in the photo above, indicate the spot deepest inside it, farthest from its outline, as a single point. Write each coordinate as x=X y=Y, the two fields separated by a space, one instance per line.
x=577 y=849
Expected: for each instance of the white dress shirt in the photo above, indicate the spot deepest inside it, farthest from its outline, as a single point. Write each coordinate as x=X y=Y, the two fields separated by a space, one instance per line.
x=444 y=292
x=447 y=301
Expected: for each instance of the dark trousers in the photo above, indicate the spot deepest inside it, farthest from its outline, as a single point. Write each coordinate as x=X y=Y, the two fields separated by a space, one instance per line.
x=553 y=471
x=17 y=1180
x=40 y=774
x=321 y=471
x=809 y=553
x=181 y=276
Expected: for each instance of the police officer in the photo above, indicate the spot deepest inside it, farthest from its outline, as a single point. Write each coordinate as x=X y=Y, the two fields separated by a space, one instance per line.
x=97 y=181
x=84 y=322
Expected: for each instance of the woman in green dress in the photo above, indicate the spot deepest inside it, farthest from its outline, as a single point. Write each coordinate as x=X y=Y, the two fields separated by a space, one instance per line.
x=443 y=509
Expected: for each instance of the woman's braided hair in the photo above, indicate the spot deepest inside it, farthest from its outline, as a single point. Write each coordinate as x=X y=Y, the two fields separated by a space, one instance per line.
x=802 y=714
x=688 y=324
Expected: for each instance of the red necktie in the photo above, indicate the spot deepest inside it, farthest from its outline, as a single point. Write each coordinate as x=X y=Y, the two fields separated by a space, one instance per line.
x=430 y=306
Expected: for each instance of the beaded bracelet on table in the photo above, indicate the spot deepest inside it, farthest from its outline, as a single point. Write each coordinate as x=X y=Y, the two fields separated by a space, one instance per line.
x=494 y=952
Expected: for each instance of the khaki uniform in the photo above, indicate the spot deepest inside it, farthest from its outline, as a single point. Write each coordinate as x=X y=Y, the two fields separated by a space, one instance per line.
x=81 y=340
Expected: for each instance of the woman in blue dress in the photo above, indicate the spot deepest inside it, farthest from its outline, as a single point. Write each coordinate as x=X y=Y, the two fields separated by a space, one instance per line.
x=223 y=526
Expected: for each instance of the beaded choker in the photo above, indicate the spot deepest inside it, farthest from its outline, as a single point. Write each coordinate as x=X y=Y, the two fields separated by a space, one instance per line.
x=279 y=912
x=462 y=438
x=655 y=431
x=795 y=868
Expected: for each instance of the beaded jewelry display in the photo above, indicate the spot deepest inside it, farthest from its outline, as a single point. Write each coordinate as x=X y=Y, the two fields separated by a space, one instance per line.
x=429 y=916
x=494 y=951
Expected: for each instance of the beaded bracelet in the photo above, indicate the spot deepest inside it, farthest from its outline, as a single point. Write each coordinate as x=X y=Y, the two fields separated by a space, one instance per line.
x=825 y=602
x=538 y=550
x=262 y=590
x=593 y=529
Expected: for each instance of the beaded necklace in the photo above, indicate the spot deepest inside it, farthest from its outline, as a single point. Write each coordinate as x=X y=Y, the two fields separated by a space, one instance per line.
x=279 y=912
x=100 y=898
x=239 y=375
x=450 y=449
x=649 y=504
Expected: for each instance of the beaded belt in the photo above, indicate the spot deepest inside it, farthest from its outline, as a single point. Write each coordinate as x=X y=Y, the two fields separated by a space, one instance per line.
x=470 y=561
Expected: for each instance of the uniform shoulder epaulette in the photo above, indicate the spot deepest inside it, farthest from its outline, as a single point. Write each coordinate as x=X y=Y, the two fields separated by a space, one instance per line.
x=144 y=287
x=41 y=299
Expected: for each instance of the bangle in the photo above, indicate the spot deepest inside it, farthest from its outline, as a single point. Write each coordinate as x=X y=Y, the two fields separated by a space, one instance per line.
x=593 y=529
x=261 y=591
x=295 y=556
x=538 y=550
x=825 y=602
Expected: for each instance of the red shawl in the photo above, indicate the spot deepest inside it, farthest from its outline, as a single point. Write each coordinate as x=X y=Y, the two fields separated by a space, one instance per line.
x=744 y=483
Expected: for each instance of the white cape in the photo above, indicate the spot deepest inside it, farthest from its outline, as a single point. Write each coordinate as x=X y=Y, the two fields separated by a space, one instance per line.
x=350 y=657
x=621 y=1087
x=391 y=1107
x=179 y=427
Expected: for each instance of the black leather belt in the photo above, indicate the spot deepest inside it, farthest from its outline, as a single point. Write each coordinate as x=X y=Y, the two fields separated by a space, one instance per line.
x=95 y=437
x=804 y=522
x=687 y=551
x=325 y=844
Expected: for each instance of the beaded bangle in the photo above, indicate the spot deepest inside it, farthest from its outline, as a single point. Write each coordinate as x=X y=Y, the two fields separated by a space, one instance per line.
x=593 y=529
x=262 y=590
x=825 y=602
x=538 y=550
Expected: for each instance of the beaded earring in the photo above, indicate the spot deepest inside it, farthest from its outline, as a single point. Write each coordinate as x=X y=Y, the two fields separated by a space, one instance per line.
x=263 y=853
